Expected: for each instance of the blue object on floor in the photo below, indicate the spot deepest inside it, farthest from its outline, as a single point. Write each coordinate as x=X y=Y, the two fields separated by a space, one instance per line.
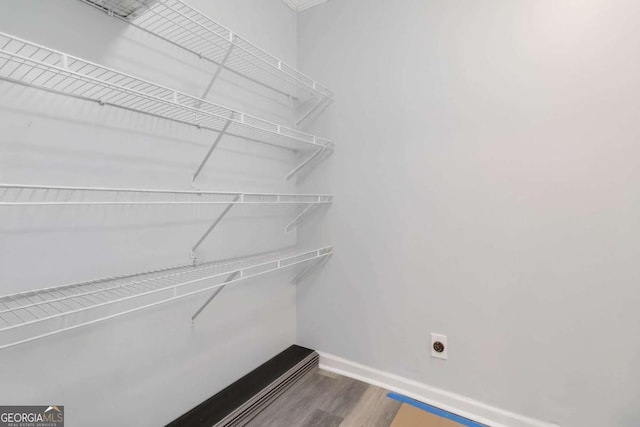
x=435 y=411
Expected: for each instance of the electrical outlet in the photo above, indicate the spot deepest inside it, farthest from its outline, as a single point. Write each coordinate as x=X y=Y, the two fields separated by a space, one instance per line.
x=439 y=346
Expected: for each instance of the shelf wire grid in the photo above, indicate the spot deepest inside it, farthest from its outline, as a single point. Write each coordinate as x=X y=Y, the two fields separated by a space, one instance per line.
x=28 y=316
x=47 y=195
x=33 y=65
x=182 y=25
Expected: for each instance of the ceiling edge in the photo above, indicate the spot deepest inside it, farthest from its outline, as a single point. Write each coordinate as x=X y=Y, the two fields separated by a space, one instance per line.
x=293 y=4
x=306 y=4
x=300 y=5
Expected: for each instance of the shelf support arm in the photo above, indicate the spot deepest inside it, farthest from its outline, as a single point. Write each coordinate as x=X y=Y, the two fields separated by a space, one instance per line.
x=213 y=147
x=301 y=217
x=305 y=163
x=212 y=226
x=220 y=66
x=315 y=106
x=308 y=269
x=229 y=278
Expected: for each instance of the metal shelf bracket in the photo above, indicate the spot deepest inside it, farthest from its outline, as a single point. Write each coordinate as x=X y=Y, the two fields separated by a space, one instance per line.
x=308 y=269
x=231 y=277
x=301 y=217
x=213 y=225
x=323 y=102
x=305 y=162
x=220 y=66
x=213 y=147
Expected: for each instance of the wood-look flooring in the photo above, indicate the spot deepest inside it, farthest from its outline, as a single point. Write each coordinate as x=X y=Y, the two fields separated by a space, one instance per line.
x=323 y=399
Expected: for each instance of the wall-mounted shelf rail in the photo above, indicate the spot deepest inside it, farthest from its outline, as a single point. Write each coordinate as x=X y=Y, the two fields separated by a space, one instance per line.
x=181 y=25
x=29 y=316
x=33 y=65
x=52 y=195
x=48 y=195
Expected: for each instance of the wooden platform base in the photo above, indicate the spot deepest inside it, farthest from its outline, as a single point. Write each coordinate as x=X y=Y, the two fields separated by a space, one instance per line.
x=237 y=404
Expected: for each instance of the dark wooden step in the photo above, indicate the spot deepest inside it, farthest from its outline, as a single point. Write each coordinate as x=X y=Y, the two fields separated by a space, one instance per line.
x=244 y=399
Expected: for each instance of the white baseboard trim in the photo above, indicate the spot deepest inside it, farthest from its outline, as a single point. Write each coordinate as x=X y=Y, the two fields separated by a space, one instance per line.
x=451 y=402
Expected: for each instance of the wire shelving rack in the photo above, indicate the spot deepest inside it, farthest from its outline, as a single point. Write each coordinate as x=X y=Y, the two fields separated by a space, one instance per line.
x=52 y=195
x=29 y=64
x=181 y=25
x=16 y=195
x=33 y=315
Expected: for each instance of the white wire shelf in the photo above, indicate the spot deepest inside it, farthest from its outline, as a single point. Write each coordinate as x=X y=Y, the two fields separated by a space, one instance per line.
x=181 y=25
x=16 y=195
x=51 y=195
x=33 y=65
x=29 y=316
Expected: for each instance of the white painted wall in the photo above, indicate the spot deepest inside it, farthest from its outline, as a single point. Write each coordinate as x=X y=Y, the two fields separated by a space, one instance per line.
x=148 y=368
x=486 y=187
